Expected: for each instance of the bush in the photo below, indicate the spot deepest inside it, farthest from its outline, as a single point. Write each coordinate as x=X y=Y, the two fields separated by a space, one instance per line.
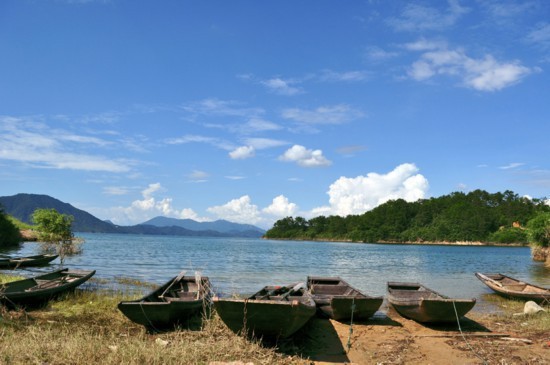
x=509 y=235
x=9 y=233
x=539 y=230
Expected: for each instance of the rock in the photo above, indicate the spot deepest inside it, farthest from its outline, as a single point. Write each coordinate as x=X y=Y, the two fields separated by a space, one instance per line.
x=532 y=308
x=161 y=342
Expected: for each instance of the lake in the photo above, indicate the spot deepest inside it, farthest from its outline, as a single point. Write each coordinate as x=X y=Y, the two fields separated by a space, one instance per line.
x=242 y=265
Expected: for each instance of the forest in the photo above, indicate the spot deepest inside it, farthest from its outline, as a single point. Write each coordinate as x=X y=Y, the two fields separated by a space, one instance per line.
x=474 y=216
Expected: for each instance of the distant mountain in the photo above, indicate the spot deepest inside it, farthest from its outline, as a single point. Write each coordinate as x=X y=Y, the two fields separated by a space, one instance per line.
x=21 y=206
x=219 y=225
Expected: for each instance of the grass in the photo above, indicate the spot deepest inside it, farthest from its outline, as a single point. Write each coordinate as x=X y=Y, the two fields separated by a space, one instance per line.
x=86 y=327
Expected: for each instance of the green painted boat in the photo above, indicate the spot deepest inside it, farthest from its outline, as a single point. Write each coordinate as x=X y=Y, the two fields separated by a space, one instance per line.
x=36 y=260
x=38 y=290
x=273 y=312
x=337 y=299
x=416 y=302
x=172 y=304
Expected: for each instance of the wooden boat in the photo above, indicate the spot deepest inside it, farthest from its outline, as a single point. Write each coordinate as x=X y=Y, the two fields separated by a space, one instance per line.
x=415 y=301
x=335 y=299
x=36 y=260
x=171 y=305
x=40 y=289
x=509 y=287
x=272 y=312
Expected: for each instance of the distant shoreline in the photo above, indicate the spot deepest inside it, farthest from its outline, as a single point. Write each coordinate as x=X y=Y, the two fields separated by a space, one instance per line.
x=427 y=243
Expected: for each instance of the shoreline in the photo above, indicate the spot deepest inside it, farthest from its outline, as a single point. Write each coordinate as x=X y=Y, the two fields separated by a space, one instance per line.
x=427 y=243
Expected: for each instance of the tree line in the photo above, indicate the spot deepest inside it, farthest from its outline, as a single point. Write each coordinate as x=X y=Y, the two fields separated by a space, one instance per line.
x=475 y=216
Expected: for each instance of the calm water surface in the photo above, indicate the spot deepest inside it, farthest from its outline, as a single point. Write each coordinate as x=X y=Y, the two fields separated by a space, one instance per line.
x=238 y=265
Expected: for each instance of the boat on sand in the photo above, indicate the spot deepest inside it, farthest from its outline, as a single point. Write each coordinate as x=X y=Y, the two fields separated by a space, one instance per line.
x=273 y=312
x=337 y=299
x=419 y=303
x=509 y=287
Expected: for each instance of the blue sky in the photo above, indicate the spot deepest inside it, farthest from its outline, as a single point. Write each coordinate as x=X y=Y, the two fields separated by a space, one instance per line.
x=255 y=110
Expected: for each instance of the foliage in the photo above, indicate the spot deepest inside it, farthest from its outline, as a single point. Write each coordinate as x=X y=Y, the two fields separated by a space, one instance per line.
x=509 y=235
x=9 y=233
x=475 y=216
x=539 y=230
x=55 y=230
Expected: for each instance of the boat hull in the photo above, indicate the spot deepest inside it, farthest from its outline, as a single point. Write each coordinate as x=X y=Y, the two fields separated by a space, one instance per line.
x=264 y=318
x=511 y=288
x=37 y=260
x=38 y=290
x=416 y=302
x=171 y=305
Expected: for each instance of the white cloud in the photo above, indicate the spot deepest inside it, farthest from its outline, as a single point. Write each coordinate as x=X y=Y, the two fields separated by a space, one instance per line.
x=281 y=207
x=540 y=35
x=261 y=125
x=239 y=210
x=512 y=165
x=217 y=107
x=282 y=87
x=485 y=74
x=304 y=157
x=115 y=190
x=149 y=207
x=39 y=145
x=347 y=76
x=243 y=152
x=198 y=175
x=192 y=138
x=334 y=114
x=375 y=53
x=362 y=193
x=263 y=143
x=416 y=17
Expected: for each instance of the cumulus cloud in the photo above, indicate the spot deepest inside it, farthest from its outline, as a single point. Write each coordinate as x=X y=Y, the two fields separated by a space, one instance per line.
x=281 y=207
x=243 y=152
x=484 y=74
x=333 y=114
x=239 y=210
x=362 y=193
x=149 y=207
x=304 y=157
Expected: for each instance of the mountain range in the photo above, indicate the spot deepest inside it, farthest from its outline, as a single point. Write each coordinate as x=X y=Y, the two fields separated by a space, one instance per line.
x=22 y=206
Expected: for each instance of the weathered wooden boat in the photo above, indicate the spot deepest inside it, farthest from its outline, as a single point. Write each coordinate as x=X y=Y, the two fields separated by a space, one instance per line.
x=40 y=289
x=36 y=260
x=415 y=301
x=509 y=287
x=337 y=299
x=273 y=312
x=171 y=305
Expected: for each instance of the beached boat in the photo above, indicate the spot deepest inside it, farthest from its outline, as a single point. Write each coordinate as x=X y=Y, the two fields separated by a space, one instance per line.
x=509 y=287
x=40 y=289
x=338 y=300
x=36 y=260
x=171 y=305
x=272 y=312
x=415 y=301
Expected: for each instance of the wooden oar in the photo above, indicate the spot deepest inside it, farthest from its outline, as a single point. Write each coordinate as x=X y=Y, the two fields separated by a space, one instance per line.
x=178 y=278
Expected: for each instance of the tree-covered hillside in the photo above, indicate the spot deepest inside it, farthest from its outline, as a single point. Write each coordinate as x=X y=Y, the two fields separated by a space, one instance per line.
x=476 y=216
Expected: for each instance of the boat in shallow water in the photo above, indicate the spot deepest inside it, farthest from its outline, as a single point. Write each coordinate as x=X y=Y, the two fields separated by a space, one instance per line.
x=38 y=290
x=36 y=260
x=417 y=302
x=172 y=304
x=273 y=312
x=337 y=299
x=509 y=287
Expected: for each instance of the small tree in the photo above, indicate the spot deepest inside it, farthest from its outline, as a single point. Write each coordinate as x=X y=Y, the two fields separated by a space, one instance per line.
x=54 y=229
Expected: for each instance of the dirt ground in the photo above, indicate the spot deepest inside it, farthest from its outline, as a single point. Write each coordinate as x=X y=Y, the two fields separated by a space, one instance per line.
x=392 y=339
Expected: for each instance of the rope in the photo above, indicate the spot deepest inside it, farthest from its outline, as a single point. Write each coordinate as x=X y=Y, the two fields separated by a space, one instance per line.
x=351 y=323
x=464 y=337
